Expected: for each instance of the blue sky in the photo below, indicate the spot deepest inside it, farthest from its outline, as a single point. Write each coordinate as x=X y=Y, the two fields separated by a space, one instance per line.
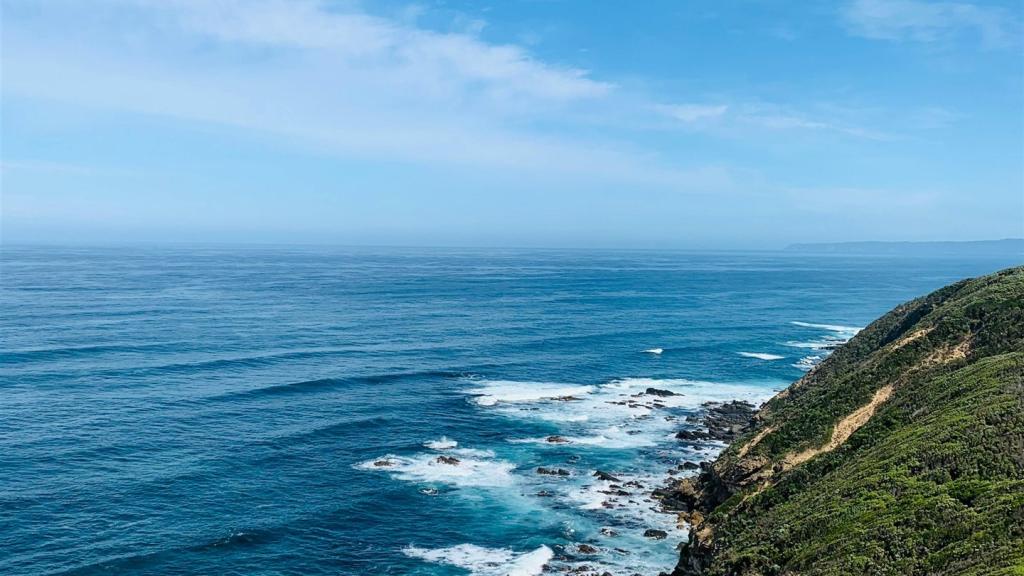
x=531 y=123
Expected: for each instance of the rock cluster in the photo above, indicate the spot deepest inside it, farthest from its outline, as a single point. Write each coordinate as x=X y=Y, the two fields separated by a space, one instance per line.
x=724 y=422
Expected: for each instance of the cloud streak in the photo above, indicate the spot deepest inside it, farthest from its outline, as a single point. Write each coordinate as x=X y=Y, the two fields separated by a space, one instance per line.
x=930 y=21
x=350 y=83
x=744 y=117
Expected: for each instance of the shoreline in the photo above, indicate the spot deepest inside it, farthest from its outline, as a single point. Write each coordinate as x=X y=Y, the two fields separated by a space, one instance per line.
x=725 y=422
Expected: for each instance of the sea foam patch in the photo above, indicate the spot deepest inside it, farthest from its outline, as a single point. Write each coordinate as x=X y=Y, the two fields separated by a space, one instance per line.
x=621 y=414
x=492 y=392
x=848 y=330
x=824 y=344
x=443 y=443
x=458 y=467
x=761 y=355
x=480 y=561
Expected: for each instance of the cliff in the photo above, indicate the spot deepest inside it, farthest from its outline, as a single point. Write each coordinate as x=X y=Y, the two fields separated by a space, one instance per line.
x=902 y=453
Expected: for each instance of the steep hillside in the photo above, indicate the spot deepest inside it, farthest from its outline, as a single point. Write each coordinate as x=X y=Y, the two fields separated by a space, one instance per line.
x=903 y=453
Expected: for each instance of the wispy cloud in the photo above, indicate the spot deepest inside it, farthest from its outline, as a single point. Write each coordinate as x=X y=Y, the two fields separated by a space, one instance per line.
x=693 y=112
x=349 y=82
x=410 y=54
x=758 y=116
x=931 y=21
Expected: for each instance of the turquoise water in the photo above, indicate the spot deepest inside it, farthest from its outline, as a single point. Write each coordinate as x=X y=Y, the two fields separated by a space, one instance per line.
x=199 y=410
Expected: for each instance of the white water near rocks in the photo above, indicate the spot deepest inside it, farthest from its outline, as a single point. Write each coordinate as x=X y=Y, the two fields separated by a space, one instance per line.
x=631 y=421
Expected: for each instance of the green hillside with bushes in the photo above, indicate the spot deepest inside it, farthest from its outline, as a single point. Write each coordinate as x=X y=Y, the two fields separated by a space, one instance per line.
x=902 y=453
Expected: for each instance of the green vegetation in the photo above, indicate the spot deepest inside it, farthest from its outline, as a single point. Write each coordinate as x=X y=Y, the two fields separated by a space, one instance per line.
x=931 y=483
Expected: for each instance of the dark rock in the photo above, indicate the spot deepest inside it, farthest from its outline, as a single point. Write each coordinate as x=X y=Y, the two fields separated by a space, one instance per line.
x=689 y=465
x=608 y=532
x=383 y=463
x=692 y=435
x=655 y=534
x=660 y=392
x=552 y=471
x=586 y=549
x=557 y=439
x=601 y=475
x=450 y=460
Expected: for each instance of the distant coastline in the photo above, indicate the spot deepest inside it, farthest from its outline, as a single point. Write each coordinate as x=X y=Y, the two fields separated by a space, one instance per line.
x=1007 y=247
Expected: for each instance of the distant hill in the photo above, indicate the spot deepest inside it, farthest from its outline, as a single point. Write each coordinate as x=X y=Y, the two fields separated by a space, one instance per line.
x=1009 y=247
x=902 y=453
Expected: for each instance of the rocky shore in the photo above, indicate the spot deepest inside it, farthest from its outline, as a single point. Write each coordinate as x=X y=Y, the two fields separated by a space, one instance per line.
x=694 y=496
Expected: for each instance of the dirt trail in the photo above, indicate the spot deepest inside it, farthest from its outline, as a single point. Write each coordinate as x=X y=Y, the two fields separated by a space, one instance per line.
x=846 y=427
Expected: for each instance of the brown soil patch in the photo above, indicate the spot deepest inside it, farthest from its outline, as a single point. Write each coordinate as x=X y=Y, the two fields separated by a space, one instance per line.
x=753 y=441
x=843 y=430
x=915 y=335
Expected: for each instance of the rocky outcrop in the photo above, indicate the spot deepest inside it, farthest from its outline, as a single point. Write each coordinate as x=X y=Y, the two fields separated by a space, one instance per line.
x=723 y=422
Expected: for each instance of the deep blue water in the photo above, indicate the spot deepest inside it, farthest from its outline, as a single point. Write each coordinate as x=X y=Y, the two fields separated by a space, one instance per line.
x=219 y=411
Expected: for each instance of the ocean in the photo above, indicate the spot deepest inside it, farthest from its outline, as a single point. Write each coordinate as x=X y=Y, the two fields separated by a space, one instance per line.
x=310 y=410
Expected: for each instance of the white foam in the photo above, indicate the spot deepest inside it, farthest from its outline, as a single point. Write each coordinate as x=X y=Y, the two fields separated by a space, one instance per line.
x=654 y=351
x=619 y=415
x=615 y=415
x=825 y=345
x=611 y=437
x=482 y=561
x=511 y=392
x=851 y=330
x=475 y=468
x=441 y=444
x=808 y=362
x=761 y=355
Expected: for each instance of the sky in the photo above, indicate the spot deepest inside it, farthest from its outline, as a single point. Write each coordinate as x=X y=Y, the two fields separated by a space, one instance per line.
x=590 y=123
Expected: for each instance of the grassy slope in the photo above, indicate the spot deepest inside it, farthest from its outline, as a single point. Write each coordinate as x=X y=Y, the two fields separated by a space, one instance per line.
x=932 y=484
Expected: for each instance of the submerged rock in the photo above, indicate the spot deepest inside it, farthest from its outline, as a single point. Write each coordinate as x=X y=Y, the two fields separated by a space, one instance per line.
x=552 y=471
x=555 y=439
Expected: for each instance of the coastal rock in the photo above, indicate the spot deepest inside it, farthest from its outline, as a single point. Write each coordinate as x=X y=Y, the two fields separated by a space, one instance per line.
x=555 y=439
x=655 y=534
x=586 y=549
x=660 y=392
x=727 y=421
x=383 y=463
x=602 y=475
x=449 y=460
x=552 y=471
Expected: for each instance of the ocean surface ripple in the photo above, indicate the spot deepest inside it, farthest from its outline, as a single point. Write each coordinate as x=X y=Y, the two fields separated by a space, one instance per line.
x=211 y=410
